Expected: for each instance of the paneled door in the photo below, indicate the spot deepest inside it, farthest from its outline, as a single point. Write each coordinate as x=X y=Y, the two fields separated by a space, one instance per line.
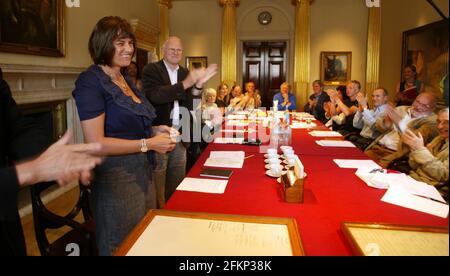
x=265 y=64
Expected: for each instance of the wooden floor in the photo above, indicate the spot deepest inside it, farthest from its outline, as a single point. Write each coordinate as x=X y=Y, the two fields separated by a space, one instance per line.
x=61 y=206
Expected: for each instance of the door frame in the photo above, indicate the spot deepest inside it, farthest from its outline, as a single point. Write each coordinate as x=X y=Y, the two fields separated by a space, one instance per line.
x=289 y=57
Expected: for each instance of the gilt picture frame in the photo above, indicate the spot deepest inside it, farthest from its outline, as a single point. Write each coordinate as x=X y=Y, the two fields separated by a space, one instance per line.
x=196 y=62
x=32 y=27
x=335 y=67
x=427 y=48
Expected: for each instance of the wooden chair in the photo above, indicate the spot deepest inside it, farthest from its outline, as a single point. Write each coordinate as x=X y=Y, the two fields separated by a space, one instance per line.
x=79 y=241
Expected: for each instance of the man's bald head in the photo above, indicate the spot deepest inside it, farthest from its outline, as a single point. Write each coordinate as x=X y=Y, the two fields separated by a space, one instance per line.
x=173 y=50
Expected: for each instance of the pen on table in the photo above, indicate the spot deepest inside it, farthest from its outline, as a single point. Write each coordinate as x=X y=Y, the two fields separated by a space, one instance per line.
x=250 y=156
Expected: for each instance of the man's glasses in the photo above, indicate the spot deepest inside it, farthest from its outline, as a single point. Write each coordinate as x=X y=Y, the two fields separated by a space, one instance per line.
x=175 y=51
x=417 y=103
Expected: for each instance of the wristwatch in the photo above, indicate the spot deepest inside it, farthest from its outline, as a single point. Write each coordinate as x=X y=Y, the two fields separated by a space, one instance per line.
x=144 y=147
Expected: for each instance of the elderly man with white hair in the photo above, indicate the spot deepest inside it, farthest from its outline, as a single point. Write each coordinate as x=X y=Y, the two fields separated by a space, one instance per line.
x=418 y=118
x=171 y=89
x=429 y=163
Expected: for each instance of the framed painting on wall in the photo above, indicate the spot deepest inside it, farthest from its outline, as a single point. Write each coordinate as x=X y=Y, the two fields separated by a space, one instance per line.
x=196 y=62
x=33 y=27
x=335 y=67
x=427 y=48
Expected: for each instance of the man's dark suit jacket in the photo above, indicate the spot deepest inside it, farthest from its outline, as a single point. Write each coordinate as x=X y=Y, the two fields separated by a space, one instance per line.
x=19 y=138
x=162 y=94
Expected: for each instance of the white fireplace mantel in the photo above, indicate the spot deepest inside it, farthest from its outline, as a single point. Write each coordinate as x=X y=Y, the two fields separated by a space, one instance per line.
x=39 y=84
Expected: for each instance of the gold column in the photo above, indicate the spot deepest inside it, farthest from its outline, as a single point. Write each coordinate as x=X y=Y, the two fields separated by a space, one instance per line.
x=229 y=41
x=302 y=50
x=373 y=51
x=164 y=6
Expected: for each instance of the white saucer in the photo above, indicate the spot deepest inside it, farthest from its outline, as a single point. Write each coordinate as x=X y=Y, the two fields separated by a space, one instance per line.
x=268 y=167
x=267 y=156
x=285 y=161
x=272 y=175
x=267 y=161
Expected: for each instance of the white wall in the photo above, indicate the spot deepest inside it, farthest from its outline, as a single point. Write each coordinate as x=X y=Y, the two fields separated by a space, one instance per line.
x=399 y=16
x=79 y=23
x=340 y=26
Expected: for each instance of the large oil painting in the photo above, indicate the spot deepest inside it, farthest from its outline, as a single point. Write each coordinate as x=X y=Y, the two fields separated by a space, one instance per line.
x=426 y=48
x=32 y=27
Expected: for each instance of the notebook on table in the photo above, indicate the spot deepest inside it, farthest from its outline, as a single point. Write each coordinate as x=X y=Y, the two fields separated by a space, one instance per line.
x=216 y=173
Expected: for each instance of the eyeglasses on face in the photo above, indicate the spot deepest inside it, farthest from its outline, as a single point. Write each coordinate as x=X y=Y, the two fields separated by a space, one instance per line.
x=174 y=51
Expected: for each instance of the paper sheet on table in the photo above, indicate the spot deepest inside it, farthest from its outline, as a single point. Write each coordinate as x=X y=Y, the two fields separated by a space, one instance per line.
x=233 y=130
x=401 y=198
x=319 y=133
x=226 y=159
x=227 y=154
x=236 y=117
x=200 y=185
x=399 y=181
x=356 y=164
x=237 y=123
x=338 y=144
x=365 y=174
x=303 y=115
x=241 y=113
x=302 y=125
x=229 y=140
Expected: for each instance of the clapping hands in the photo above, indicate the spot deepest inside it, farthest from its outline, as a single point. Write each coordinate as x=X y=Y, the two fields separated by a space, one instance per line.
x=199 y=76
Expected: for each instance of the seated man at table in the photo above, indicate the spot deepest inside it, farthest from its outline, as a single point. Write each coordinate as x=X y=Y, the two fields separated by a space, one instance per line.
x=365 y=119
x=429 y=163
x=419 y=118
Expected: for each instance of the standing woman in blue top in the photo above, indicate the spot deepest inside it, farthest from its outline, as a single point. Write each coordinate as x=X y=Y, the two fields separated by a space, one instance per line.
x=113 y=112
x=286 y=100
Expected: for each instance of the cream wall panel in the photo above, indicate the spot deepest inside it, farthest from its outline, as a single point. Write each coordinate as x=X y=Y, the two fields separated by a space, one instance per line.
x=339 y=26
x=199 y=25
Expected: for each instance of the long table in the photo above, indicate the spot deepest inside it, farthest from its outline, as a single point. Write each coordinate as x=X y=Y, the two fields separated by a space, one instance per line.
x=332 y=195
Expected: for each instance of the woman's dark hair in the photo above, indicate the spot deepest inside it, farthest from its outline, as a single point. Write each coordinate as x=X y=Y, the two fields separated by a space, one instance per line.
x=343 y=90
x=413 y=68
x=101 y=42
x=1 y=74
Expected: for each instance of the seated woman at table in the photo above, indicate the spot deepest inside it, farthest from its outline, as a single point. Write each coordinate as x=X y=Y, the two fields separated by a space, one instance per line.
x=429 y=163
x=236 y=98
x=312 y=102
x=252 y=99
x=285 y=99
x=211 y=113
x=223 y=97
x=348 y=105
x=333 y=112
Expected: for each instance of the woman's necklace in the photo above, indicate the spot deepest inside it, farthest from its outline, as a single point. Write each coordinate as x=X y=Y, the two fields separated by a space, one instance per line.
x=122 y=84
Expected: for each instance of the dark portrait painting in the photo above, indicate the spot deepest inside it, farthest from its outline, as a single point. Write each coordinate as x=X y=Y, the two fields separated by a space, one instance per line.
x=32 y=27
x=335 y=67
x=427 y=48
